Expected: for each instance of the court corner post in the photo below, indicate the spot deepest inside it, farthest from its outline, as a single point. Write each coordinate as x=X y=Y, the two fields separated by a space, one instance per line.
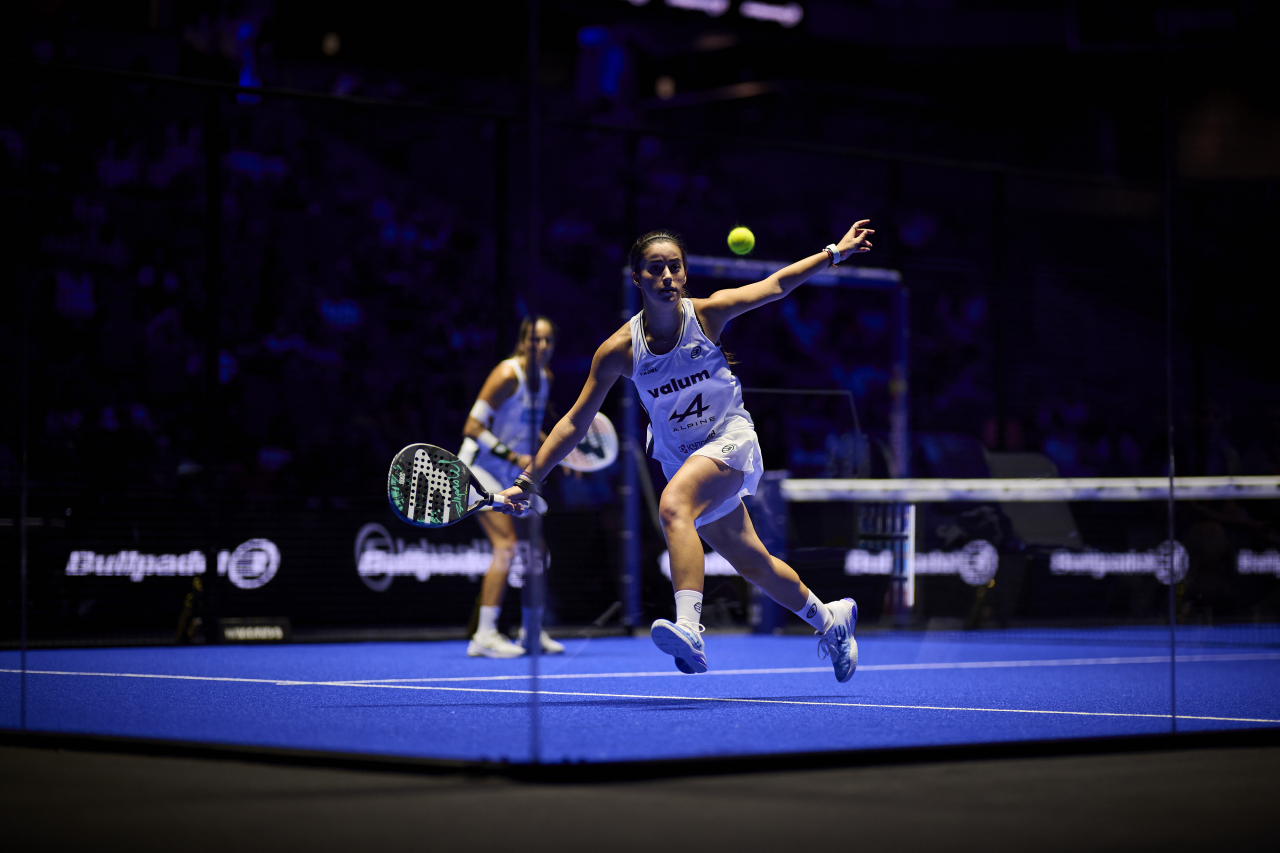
x=629 y=538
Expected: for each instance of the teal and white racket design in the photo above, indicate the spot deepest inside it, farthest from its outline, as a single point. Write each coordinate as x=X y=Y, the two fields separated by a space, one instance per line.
x=430 y=487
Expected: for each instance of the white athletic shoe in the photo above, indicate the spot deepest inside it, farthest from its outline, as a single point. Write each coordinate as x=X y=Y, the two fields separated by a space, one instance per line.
x=549 y=646
x=491 y=644
x=683 y=641
x=838 y=641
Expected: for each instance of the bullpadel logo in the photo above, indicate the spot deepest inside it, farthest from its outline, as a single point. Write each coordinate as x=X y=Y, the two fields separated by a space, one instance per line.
x=251 y=565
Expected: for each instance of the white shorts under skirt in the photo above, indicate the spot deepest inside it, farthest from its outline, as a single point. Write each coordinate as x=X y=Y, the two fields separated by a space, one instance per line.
x=739 y=449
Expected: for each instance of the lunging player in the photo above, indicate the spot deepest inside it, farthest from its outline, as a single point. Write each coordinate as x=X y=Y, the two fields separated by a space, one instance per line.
x=703 y=437
x=496 y=448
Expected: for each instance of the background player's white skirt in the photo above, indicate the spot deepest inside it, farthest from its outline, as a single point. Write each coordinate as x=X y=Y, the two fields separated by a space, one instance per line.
x=738 y=448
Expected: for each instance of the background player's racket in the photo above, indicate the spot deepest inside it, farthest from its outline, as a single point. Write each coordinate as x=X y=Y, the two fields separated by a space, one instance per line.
x=430 y=487
x=598 y=450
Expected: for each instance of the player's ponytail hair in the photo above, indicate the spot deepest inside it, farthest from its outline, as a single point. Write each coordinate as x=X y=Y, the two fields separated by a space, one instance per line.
x=662 y=235
x=526 y=333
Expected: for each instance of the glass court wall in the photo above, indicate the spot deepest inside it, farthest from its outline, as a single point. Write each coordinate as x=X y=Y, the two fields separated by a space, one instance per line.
x=233 y=308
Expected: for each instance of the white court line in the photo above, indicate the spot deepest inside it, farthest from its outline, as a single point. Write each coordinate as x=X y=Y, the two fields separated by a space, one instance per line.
x=798 y=702
x=884 y=667
x=277 y=681
x=509 y=691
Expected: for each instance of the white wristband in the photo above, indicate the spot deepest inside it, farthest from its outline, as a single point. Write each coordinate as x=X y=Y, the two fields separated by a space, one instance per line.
x=487 y=440
x=836 y=256
x=482 y=412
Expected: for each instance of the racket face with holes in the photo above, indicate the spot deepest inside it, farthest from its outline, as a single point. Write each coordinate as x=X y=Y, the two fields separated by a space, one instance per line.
x=597 y=450
x=430 y=487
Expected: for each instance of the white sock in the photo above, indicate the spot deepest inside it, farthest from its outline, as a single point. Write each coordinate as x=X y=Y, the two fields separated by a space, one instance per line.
x=815 y=613
x=688 y=606
x=488 y=618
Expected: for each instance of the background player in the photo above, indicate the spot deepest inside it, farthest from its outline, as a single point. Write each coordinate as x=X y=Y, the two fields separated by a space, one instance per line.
x=497 y=447
x=703 y=437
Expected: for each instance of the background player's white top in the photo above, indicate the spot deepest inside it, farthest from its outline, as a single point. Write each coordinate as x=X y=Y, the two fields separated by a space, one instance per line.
x=690 y=393
x=512 y=419
x=511 y=426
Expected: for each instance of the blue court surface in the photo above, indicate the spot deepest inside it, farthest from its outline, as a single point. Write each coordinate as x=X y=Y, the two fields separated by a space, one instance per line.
x=619 y=699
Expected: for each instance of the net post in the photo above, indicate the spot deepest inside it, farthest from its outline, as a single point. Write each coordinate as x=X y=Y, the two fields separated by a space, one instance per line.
x=899 y=389
x=632 y=458
x=900 y=441
x=909 y=561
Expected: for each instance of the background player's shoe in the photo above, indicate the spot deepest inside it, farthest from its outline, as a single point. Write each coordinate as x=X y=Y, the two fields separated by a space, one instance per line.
x=491 y=644
x=549 y=646
x=838 y=641
x=683 y=641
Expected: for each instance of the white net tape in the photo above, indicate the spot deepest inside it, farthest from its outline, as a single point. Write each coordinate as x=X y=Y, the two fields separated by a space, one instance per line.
x=1031 y=490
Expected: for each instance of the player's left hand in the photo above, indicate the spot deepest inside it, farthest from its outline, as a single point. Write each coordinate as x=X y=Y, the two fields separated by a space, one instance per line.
x=857 y=240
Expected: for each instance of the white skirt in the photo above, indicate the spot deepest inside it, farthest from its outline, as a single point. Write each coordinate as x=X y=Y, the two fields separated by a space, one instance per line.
x=739 y=448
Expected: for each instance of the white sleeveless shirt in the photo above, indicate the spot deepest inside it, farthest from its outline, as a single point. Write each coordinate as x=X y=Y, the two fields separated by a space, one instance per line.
x=511 y=427
x=690 y=394
x=512 y=419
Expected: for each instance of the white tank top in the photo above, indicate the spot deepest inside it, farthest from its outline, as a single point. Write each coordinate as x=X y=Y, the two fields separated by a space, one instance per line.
x=690 y=393
x=511 y=421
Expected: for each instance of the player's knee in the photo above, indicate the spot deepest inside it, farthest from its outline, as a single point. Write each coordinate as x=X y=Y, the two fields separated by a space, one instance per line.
x=673 y=511
x=504 y=547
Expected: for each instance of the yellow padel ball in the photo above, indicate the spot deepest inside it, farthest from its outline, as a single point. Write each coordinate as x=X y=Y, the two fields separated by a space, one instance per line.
x=741 y=240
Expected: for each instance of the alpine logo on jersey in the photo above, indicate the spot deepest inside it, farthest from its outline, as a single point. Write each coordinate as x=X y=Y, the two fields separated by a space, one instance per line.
x=695 y=410
x=676 y=384
x=697 y=351
x=646 y=369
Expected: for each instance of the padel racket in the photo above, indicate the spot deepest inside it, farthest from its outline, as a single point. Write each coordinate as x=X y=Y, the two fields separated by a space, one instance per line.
x=598 y=450
x=430 y=487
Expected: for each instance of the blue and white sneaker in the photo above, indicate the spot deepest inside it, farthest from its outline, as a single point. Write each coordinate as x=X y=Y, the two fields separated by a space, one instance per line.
x=683 y=641
x=838 y=641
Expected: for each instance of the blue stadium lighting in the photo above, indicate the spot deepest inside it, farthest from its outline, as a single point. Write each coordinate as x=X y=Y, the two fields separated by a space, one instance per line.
x=611 y=71
x=227 y=366
x=788 y=15
x=592 y=37
x=342 y=313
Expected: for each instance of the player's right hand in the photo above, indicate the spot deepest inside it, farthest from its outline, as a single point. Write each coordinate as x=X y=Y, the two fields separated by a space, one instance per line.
x=517 y=502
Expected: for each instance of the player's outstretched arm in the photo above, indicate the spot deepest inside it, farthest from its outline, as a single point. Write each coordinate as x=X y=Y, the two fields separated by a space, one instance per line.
x=612 y=359
x=723 y=305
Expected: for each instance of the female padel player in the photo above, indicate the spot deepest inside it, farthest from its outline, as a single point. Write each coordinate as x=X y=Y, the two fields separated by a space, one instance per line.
x=703 y=437
x=496 y=448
